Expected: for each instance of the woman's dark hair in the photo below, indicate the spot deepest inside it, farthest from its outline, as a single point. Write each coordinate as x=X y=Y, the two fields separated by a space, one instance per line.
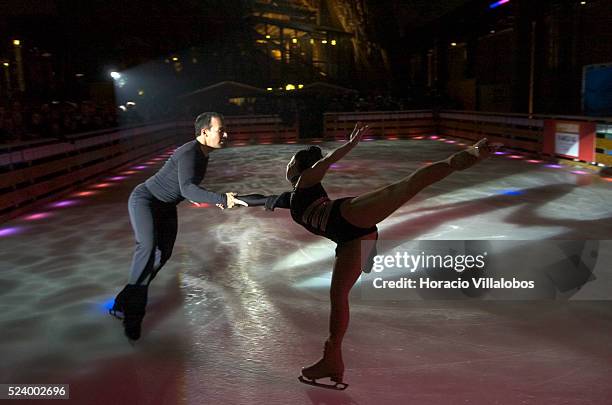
x=308 y=157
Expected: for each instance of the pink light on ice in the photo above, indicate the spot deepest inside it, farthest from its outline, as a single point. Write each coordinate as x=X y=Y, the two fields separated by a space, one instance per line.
x=64 y=203
x=102 y=185
x=37 y=216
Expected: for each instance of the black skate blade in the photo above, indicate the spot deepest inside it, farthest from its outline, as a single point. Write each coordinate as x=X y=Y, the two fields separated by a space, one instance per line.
x=338 y=386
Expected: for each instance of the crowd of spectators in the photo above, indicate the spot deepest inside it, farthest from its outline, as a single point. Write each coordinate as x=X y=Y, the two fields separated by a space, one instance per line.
x=294 y=104
x=21 y=121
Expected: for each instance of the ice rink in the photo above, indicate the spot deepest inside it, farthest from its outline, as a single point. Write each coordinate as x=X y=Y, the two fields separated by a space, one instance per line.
x=243 y=303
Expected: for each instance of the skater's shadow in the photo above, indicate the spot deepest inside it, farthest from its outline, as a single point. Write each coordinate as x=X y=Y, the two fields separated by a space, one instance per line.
x=322 y=396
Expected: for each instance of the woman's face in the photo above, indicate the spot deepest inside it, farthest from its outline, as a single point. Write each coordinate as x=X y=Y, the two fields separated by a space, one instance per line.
x=292 y=169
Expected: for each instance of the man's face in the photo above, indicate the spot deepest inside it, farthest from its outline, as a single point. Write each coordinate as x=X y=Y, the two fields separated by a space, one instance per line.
x=215 y=135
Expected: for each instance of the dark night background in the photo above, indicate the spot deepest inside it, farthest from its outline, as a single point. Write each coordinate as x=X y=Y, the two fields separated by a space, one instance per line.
x=521 y=57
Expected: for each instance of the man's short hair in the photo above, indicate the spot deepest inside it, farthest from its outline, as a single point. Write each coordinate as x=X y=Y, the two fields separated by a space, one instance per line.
x=204 y=121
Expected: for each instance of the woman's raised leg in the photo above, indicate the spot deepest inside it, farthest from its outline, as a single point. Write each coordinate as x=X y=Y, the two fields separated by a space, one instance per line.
x=371 y=208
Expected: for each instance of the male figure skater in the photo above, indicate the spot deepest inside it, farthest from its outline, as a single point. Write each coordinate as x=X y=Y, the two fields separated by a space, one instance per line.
x=153 y=215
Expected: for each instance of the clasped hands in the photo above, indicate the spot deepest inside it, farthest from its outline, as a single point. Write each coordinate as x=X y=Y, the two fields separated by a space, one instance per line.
x=232 y=201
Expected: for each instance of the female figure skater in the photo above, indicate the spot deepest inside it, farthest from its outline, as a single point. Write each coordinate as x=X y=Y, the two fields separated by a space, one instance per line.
x=349 y=221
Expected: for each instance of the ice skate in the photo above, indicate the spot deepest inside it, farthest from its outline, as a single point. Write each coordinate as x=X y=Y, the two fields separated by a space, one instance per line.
x=330 y=366
x=470 y=156
x=130 y=306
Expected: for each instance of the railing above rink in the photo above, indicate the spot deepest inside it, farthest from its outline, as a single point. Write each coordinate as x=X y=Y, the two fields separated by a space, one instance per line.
x=33 y=173
x=516 y=131
x=524 y=132
x=384 y=124
x=254 y=129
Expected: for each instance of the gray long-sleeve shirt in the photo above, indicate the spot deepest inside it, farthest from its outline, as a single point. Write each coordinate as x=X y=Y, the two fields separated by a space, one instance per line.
x=181 y=175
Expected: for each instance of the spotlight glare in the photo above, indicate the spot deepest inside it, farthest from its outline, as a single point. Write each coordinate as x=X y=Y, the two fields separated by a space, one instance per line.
x=115 y=75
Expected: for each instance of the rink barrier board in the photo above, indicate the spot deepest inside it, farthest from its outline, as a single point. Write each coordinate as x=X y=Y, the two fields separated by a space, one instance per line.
x=381 y=123
x=8 y=156
x=532 y=146
x=255 y=129
x=603 y=145
x=31 y=193
x=491 y=129
x=512 y=137
x=61 y=166
x=73 y=165
x=28 y=186
x=65 y=164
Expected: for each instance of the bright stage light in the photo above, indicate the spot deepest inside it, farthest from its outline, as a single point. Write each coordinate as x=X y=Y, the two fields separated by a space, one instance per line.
x=115 y=75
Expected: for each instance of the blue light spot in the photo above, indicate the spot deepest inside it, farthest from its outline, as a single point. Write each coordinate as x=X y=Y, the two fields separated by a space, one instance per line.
x=511 y=192
x=106 y=305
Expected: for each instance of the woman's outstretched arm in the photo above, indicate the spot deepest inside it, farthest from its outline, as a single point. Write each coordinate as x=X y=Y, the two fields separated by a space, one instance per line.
x=315 y=174
x=269 y=201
